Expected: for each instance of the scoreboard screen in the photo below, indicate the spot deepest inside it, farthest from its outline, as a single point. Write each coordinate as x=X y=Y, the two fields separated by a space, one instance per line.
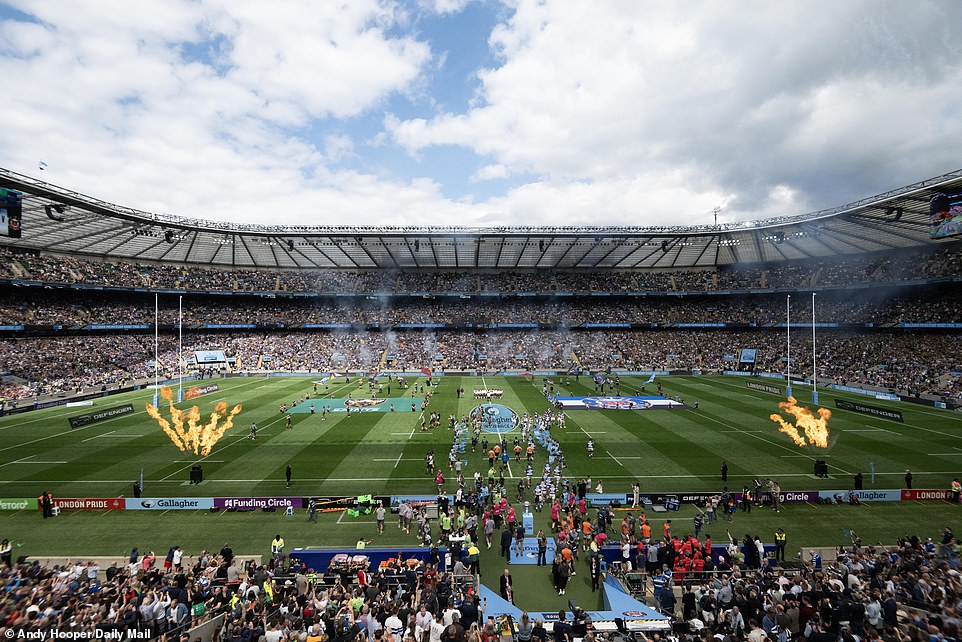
x=945 y=212
x=11 y=213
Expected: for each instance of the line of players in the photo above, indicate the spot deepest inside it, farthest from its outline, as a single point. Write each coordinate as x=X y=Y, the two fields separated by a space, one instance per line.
x=534 y=428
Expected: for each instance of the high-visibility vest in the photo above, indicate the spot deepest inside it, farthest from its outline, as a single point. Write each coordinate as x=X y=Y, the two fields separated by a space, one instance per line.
x=780 y=538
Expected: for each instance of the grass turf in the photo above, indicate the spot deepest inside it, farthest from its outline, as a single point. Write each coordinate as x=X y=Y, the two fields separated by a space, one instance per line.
x=383 y=453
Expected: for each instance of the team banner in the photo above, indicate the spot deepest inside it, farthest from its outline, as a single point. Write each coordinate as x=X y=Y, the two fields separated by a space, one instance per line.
x=614 y=403
x=254 y=503
x=875 y=411
x=196 y=391
x=170 y=503
x=89 y=503
x=101 y=415
x=18 y=503
x=761 y=387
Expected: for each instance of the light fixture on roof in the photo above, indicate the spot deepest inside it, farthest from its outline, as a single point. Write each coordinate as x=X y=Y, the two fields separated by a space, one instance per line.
x=55 y=207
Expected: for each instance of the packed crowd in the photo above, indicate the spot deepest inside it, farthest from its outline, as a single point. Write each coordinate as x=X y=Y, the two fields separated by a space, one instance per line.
x=878 y=306
x=278 y=600
x=908 y=593
x=879 y=267
x=905 y=362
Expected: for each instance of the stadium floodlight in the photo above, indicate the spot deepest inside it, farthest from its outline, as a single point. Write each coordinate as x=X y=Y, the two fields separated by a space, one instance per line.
x=56 y=207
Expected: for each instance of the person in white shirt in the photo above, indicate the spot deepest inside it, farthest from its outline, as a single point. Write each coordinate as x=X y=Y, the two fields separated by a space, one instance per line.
x=423 y=619
x=394 y=624
x=434 y=634
x=447 y=617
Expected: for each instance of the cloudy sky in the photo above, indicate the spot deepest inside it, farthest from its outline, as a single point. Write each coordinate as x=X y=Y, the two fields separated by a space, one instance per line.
x=551 y=112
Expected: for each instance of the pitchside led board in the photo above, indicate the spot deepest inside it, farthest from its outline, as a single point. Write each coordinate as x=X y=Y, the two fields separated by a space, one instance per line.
x=11 y=212
x=945 y=215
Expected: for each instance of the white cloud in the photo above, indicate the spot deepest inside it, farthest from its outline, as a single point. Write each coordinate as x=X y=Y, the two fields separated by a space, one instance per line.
x=444 y=6
x=639 y=112
x=490 y=172
x=745 y=98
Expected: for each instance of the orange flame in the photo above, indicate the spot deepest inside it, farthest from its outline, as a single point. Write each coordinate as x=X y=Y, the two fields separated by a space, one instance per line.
x=815 y=428
x=197 y=437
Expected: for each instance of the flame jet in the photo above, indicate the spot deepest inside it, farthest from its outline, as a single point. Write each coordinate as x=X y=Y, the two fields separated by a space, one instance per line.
x=196 y=437
x=815 y=429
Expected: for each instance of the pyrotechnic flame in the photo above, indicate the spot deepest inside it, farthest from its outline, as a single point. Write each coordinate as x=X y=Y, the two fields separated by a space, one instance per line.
x=815 y=428
x=196 y=437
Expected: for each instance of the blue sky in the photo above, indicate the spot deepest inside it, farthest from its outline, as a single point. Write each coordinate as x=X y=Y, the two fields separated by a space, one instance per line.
x=480 y=112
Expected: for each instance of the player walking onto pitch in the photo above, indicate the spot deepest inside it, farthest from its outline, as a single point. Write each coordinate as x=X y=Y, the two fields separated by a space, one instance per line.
x=591 y=449
x=253 y=430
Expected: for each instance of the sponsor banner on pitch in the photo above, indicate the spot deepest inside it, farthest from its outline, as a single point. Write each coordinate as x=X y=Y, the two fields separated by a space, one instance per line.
x=495 y=418
x=254 y=503
x=763 y=387
x=100 y=415
x=170 y=503
x=926 y=495
x=195 y=391
x=863 y=495
x=18 y=503
x=89 y=503
x=875 y=411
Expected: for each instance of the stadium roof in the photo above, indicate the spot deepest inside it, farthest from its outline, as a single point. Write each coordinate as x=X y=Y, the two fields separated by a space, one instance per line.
x=895 y=219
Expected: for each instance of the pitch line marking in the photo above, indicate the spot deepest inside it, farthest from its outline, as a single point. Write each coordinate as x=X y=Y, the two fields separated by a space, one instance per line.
x=33 y=441
x=615 y=458
x=767 y=441
x=22 y=459
x=269 y=424
x=99 y=436
x=182 y=469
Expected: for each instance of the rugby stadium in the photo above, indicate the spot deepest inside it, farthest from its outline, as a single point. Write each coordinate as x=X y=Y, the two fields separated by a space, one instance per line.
x=332 y=370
